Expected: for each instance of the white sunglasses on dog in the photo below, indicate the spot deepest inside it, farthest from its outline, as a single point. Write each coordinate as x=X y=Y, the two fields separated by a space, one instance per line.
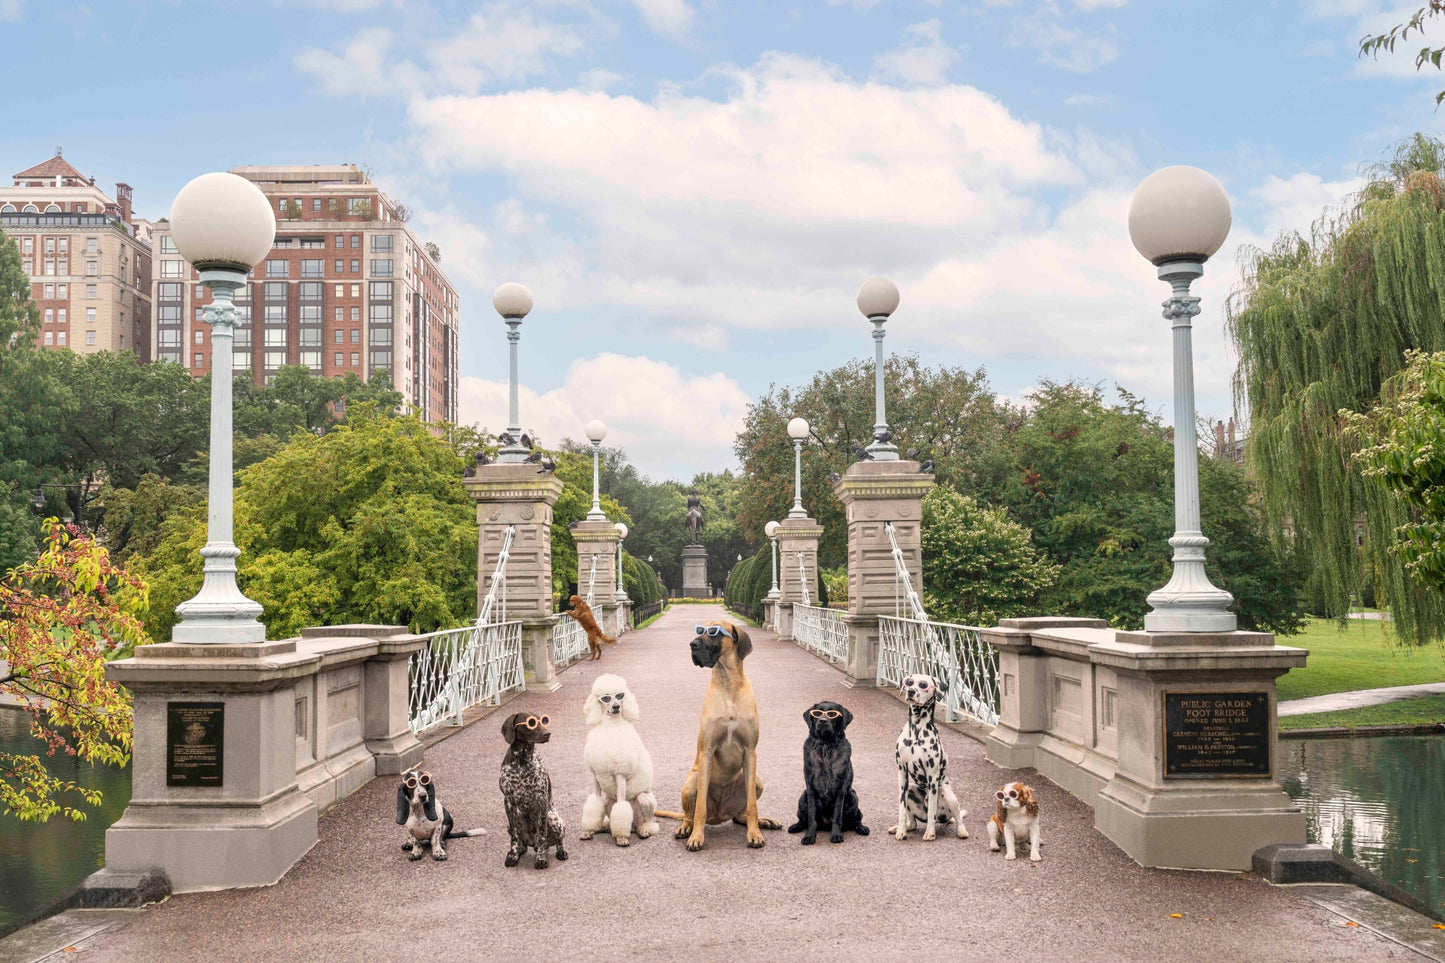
x=1012 y=794
x=713 y=631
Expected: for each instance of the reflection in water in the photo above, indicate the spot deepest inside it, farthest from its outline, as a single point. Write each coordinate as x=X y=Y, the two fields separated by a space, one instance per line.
x=38 y=862
x=1379 y=800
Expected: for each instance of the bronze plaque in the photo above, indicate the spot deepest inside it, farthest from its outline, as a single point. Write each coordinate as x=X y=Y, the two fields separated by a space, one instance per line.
x=1216 y=734
x=195 y=743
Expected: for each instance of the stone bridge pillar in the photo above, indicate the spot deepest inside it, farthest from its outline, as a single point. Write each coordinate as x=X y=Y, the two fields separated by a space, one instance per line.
x=599 y=538
x=874 y=493
x=797 y=541
x=517 y=494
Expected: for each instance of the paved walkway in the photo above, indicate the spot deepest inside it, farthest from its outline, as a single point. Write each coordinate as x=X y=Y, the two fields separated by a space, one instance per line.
x=355 y=896
x=1359 y=698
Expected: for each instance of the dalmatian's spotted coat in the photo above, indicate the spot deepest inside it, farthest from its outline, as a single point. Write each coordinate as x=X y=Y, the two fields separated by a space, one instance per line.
x=923 y=766
x=527 y=791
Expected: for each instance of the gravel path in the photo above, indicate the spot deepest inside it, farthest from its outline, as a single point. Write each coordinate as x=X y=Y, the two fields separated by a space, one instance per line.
x=356 y=897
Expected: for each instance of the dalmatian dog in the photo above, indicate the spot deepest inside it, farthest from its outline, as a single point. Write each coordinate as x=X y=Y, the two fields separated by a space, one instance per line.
x=923 y=766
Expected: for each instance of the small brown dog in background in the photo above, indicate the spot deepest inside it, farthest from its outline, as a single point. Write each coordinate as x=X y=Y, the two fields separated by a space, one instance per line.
x=1017 y=816
x=582 y=612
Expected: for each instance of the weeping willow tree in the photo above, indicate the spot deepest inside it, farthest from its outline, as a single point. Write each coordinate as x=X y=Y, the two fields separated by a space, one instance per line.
x=1320 y=324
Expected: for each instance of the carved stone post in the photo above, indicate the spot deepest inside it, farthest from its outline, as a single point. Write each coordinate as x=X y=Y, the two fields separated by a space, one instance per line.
x=599 y=539
x=797 y=541
x=517 y=494
x=874 y=493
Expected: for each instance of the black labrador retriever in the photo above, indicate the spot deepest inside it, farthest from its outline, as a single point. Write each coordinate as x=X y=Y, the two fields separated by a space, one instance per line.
x=828 y=801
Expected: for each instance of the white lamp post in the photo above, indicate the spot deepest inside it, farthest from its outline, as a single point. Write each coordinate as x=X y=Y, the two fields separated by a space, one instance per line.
x=621 y=534
x=798 y=431
x=223 y=225
x=771 y=529
x=513 y=302
x=878 y=299
x=596 y=431
x=1178 y=218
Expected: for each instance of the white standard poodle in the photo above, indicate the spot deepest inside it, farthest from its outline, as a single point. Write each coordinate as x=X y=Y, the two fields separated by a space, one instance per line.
x=622 y=800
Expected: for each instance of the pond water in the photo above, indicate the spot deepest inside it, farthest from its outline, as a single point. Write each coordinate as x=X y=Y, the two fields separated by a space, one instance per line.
x=1379 y=800
x=39 y=862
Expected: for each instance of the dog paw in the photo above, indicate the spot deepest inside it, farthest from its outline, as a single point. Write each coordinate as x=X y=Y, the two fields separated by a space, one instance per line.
x=929 y=835
x=962 y=833
x=407 y=846
x=695 y=843
x=1010 y=857
x=836 y=837
x=439 y=856
x=797 y=827
x=755 y=840
x=415 y=855
x=993 y=847
x=861 y=830
x=1035 y=858
x=647 y=831
x=561 y=856
x=683 y=832
x=540 y=863
x=622 y=840
x=810 y=839
x=511 y=860
x=766 y=823
x=586 y=834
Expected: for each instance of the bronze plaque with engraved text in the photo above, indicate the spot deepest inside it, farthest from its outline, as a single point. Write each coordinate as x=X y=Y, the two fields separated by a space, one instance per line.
x=1216 y=734
x=195 y=743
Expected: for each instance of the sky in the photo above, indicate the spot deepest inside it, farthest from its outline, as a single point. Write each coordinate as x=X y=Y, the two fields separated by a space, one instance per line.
x=694 y=189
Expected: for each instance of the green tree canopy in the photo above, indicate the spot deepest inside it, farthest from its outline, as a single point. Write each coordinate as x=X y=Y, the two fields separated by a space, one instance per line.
x=1320 y=324
x=978 y=565
x=366 y=523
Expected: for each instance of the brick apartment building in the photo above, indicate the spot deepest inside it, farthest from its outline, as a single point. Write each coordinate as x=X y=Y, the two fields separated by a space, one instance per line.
x=88 y=259
x=347 y=288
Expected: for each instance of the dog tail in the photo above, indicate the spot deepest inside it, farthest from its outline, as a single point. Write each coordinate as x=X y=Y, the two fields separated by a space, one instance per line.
x=608 y=638
x=667 y=815
x=463 y=834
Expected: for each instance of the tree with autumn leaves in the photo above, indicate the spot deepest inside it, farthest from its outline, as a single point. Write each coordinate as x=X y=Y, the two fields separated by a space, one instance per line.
x=62 y=617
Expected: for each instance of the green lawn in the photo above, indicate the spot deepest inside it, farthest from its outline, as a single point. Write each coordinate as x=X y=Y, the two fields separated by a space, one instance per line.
x=1407 y=712
x=1360 y=656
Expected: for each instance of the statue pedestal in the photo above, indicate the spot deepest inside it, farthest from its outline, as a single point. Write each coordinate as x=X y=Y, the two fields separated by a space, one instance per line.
x=694 y=572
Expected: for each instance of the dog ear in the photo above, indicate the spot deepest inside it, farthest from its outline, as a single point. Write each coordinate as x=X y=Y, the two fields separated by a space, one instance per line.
x=631 y=711
x=942 y=685
x=509 y=728
x=401 y=805
x=808 y=718
x=431 y=807
x=847 y=716
x=1026 y=796
x=592 y=709
x=743 y=644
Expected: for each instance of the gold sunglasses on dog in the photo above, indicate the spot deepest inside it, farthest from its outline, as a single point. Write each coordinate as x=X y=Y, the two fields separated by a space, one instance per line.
x=825 y=713
x=425 y=780
x=535 y=721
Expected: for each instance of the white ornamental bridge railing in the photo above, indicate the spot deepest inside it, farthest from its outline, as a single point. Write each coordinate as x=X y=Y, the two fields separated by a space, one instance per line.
x=952 y=653
x=569 y=639
x=821 y=631
x=457 y=669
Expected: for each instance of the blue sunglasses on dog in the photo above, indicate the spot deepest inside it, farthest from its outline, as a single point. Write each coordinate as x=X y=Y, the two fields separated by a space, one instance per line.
x=714 y=631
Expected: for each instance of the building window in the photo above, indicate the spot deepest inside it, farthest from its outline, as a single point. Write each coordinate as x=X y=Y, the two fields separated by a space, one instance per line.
x=240 y=360
x=381 y=243
x=275 y=359
x=50 y=245
x=165 y=313
x=63 y=245
x=92 y=245
x=316 y=203
x=381 y=267
x=243 y=338
x=339 y=315
x=171 y=269
x=50 y=339
x=49 y=292
x=50 y=267
x=356 y=290
x=90 y=291
x=200 y=360
x=28 y=266
x=201 y=292
x=49 y=315
x=356 y=312
x=355 y=358
x=168 y=244
x=356 y=335
x=310 y=337
x=90 y=337
x=90 y=314
x=92 y=269
x=60 y=337
x=309 y=291
x=381 y=336
x=60 y=316
x=62 y=291
x=356 y=240
x=340 y=266
x=200 y=313
x=381 y=314
x=340 y=241
x=356 y=265
x=275 y=314
x=274 y=291
x=381 y=359
x=381 y=291
x=278 y=269
x=275 y=337
x=164 y=292
x=338 y=336
x=168 y=337
x=200 y=336
x=312 y=359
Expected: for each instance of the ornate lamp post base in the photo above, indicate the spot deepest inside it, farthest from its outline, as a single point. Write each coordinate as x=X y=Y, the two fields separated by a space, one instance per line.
x=1189 y=603
x=219 y=614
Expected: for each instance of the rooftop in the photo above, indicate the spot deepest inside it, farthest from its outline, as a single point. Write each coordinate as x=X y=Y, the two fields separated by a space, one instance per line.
x=57 y=166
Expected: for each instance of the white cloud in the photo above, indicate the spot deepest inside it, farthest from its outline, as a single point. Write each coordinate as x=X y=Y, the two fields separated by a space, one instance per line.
x=923 y=58
x=1296 y=202
x=11 y=10
x=361 y=68
x=856 y=4
x=668 y=420
x=673 y=18
x=599 y=79
x=1071 y=49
